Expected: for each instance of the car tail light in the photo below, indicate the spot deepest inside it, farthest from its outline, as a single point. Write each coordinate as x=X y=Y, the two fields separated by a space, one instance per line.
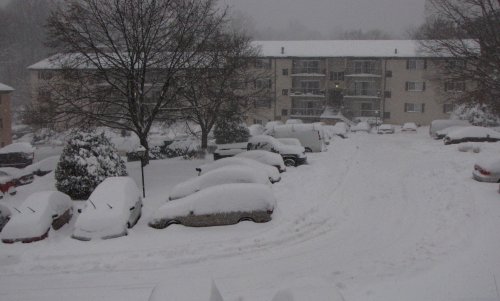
x=484 y=172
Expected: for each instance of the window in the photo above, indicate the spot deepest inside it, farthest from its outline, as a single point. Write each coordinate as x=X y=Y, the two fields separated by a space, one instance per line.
x=365 y=89
x=284 y=92
x=414 y=107
x=361 y=67
x=285 y=71
x=284 y=112
x=415 y=86
x=454 y=86
x=416 y=64
x=388 y=73
x=448 y=108
x=306 y=66
x=387 y=115
x=263 y=103
x=336 y=75
x=263 y=63
x=387 y=94
x=263 y=83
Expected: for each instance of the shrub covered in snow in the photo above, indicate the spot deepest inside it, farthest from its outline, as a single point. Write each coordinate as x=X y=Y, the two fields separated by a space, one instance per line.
x=87 y=159
x=476 y=114
x=229 y=129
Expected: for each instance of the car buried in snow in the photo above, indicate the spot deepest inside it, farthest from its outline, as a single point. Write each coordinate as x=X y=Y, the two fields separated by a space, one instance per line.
x=114 y=206
x=272 y=173
x=224 y=175
x=225 y=204
x=40 y=212
x=487 y=171
x=292 y=155
x=472 y=134
x=264 y=157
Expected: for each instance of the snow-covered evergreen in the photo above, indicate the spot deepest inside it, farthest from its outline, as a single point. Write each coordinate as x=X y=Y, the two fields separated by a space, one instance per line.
x=87 y=159
x=229 y=129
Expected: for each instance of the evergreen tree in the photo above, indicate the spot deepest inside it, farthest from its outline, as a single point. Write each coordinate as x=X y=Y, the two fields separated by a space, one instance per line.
x=87 y=159
x=230 y=129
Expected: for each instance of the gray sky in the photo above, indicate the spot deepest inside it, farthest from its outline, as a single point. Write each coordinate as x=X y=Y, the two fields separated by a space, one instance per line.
x=392 y=16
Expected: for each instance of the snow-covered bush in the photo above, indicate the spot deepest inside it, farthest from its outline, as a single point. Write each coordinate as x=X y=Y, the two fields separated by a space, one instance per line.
x=230 y=130
x=87 y=159
x=476 y=114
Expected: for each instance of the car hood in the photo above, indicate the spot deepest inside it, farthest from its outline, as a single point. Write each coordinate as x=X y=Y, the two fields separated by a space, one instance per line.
x=100 y=223
x=291 y=149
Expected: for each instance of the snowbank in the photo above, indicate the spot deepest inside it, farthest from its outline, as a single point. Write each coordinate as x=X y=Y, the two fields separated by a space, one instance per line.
x=18 y=147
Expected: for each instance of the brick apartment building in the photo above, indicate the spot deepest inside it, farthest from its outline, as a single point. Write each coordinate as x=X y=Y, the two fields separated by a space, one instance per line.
x=5 y=115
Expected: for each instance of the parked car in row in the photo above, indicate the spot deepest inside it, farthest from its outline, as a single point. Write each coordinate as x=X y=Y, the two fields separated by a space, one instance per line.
x=224 y=175
x=114 y=206
x=441 y=124
x=472 y=134
x=17 y=155
x=229 y=150
x=20 y=176
x=292 y=155
x=7 y=184
x=4 y=215
x=444 y=132
x=225 y=204
x=385 y=129
x=487 y=171
x=410 y=127
x=311 y=136
x=362 y=126
x=40 y=212
x=272 y=173
x=265 y=157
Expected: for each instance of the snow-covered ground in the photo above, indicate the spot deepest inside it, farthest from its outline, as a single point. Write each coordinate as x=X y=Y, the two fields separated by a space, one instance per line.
x=377 y=217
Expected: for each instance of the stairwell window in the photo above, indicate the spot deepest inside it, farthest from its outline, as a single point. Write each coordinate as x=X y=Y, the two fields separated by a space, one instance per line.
x=414 y=107
x=415 y=86
x=416 y=64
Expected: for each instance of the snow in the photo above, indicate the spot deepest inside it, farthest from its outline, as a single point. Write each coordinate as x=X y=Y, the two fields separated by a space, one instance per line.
x=19 y=147
x=231 y=149
x=441 y=124
x=490 y=164
x=341 y=48
x=267 y=142
x=361 y=127
x=256 y=129
x=34 y=216
x=290 y=141
x=272 y=172
x=294 y=121
x=225 y=198
x=108 y=208
x=264 y=157
x=409 y=126
x=5 y=88
x=200 y=290
x=473 y=131
x=223 y=175
x=376 y=217
x=47 y=164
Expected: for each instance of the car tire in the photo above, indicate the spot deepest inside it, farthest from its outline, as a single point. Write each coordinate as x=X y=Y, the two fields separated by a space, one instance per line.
x=308 y=150
x=246 y=219
x=289 y=162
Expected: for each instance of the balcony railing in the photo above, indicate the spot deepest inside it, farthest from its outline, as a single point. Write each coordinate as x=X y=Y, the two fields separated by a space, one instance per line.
x=364 y=93
x=363 y=72
x=307 y=92
x=307 y=111
x=305 y=70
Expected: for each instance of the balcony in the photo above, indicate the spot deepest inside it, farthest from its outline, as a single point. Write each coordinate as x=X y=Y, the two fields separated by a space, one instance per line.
x=362 y=93
x=306 y=112
x=305 y=71
x=307 y=92
x=363 y=72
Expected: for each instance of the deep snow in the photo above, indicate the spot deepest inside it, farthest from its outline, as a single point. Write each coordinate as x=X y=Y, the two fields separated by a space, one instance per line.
x=376 y=217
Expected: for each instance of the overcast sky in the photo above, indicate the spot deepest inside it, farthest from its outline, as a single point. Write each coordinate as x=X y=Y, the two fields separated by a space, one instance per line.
x=392 y=16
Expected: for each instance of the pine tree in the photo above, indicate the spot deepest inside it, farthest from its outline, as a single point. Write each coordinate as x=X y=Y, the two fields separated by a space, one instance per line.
x=87 y=159
x=230 y=129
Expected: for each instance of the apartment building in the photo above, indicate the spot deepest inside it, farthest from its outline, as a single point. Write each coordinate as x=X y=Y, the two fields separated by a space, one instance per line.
x=5 y=115
x=388 y=80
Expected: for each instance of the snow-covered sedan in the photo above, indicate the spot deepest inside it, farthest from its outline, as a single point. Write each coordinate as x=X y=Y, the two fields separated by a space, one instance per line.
x=410 y=127
x=272 y=173
x=265 y=157
x=36 y=215
x=472 y=134
x=292 y=155
x=114 y=206
x=224 y=175
x=21 y=176
x=487 y=171
x=385 y=129
x=362 y=126
x=225 y=204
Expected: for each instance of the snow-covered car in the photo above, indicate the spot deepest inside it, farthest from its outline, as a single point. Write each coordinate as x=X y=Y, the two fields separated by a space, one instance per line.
x=7 y=184
x=472 y=134
x=225 y=204
x=114 y=206
x=20 y=177
x=17 y=155
x=44 y=166
x=4 y=216
x=362 y=126
x=265 y=157
x=409 y=127
x=487 y=171
x=224 y=175
x=36 y=215
x=256 y=129
x=442 y=133
x=294 y=121
x=292 y=155
x=272 y=173
x=229 y=150
x=271 y=124
x=290 y=141
x=385 y=129
x=441 y=124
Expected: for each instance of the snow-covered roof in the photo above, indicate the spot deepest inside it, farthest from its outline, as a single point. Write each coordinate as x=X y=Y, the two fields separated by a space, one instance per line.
x=341 y=48
x=5 y=88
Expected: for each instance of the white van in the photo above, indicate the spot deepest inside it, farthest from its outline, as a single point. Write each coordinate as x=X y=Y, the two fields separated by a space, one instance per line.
x=441 y=124
x=311 y=136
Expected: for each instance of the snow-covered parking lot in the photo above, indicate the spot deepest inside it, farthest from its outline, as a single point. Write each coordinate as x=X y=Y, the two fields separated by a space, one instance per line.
x=376 y=217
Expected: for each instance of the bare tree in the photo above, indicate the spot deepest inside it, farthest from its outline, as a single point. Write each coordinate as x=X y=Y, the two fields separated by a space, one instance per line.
x=120 y=59
x=221 y=84
x=468 y=32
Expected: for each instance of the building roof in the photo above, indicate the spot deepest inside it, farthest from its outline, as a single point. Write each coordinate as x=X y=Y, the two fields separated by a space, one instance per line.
x=342 y=48
x=5 y=88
